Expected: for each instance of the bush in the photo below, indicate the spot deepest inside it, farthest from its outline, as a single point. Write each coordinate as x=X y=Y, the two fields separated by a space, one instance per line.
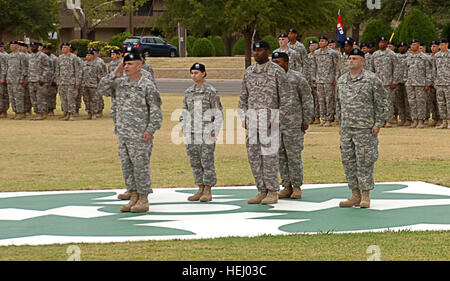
x=307 y=39
x=375 y=29
x=174 y=41
x=97 y=44
x=446 y=31
x=203 y=48
x=273 y=42
x=219 y=46
x=80 y=44
x=117 y=40
x=239 y=47
x=190 y=44
x=416 y=25
x=106 y=50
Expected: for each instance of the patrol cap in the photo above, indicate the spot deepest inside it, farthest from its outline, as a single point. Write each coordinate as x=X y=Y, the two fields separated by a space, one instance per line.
x=261 y=44
x=434 y=43
x=323 y=37
x=356 y=52
x=198 y=66
x=444 y=40
x=279 y=55
x=293 y=30
x=132 y=56
x=415 y=41
x=283 y=35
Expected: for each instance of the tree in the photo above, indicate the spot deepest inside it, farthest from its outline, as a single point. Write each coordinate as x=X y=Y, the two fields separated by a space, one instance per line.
x=34 y=18
x=417 y=25
x=375 y=29
x=89 y=14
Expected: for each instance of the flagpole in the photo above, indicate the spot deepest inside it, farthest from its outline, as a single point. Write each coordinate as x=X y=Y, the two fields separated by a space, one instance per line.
x=401 y=12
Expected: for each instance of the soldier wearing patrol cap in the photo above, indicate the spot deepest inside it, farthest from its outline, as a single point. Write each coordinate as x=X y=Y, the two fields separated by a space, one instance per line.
x=139 y=116
x=264 y=85
x=293 y=126
x=442 y=83
x=361 y=110
x=201 y=121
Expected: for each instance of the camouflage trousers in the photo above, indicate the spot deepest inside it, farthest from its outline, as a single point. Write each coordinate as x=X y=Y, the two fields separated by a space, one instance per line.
x=390 y=94
x=290 y=154
x=68 y=95
x=27 y=101
x=432 y=105
x=51 y=97
x=264 y=165
x=316 y=102
x=417 y=98
x=443 y=100
x=78 y=99
x=359 y=152
x=401 y=96
x=201 y=158
x=135 y=159
x=4 y=98
x=38 y=96
x=91 y=99
x=16 y=94
x=325 y=94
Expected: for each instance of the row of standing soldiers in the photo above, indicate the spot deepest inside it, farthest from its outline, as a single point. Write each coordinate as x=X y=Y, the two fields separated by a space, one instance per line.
x=31 y=81
x=417 y=83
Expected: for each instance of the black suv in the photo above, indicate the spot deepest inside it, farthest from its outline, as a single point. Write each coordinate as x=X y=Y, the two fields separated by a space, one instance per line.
x=151 y=46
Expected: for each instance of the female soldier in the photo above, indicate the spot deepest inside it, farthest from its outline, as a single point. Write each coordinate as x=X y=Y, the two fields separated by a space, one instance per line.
x=201 y=121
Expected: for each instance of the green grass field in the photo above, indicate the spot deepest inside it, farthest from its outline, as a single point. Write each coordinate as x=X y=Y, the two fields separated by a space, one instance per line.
x=57 y=155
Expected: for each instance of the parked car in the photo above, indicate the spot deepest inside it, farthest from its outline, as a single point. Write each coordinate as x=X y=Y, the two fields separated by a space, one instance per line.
x=151 y=46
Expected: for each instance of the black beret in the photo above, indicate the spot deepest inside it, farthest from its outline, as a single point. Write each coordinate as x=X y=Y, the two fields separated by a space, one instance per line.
x=21 y=43
x=48 y=46
x=2 y=44
x=415 y=41
x=422 y=44
x=283 y=35
x=434 y=42
x=90 y=52
x=331 y=41
x=348 y=42
x=261 y=44
x=13 y=42
x=312 y=42
x=363 y=44
x=371 y=44
x=382 y=38
x=293 y=30
x=356 y=43
x=403 y=44
x=132 y=56
x=444 y=40
x=279 y=55
x=115 y=51
x=198 y=66
x=356 y=52
x=323 y=37
x=391 y=43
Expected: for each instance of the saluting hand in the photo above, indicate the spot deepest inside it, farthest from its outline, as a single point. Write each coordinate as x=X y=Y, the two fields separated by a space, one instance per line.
x=118 y=72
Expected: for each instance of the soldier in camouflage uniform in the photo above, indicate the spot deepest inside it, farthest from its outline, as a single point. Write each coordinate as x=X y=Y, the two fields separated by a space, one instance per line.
x=361 y=109
x=293 y=125
x=418 y=78
x=432 y=105
x=4 y=98
x=68 y=76
x=39 y=74
x=400 y=91
x=343 y=58
x=325 y=74
x=299 y=47
x=138 y=117
x=294 y=56
x=16 y=74
x=383 y=63
x=442 y=83
x=371 y=48
x=27 y=100
x=313 y=45
x=52 y=90
x=74 y=51
x=102 y=64
x=92 y=73
x=201 y=122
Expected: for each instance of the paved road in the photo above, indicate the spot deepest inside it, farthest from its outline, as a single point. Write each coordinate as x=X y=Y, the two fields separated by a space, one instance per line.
x=178 y=86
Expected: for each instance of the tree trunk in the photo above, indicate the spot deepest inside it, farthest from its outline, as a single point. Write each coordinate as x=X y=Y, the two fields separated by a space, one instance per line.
x=248 y=33
x=355 y=32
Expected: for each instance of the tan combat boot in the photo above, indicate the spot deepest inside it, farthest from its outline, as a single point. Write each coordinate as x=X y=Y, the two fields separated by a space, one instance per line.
x=71 y=117
x=327 y=124
x=65 y=117
x=258 y=198
x=142 y=204
x=286 y=192
x=40 y=116
x=206 y=196
x=51 y=113
x=365 y=199
x=197 y=195
x=124 y=196
x=352 y=201
x=317 y=121
x=3 y=115
x=420 y=124
x=19 y=116
x=134 y=196
x=297 y=193
x=414 y=124
x=408 y=123
x=388 y=125
x=401 y=123
x=443 y=125
x=448 y=124
x=432 y=122
x=271 y=198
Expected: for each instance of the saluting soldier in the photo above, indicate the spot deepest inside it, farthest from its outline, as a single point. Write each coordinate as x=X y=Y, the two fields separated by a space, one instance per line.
x=293 y=126
x=138 y=118
x=361 y=110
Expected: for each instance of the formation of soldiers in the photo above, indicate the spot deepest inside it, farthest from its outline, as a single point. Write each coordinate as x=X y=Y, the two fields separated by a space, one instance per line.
x=30 y=81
